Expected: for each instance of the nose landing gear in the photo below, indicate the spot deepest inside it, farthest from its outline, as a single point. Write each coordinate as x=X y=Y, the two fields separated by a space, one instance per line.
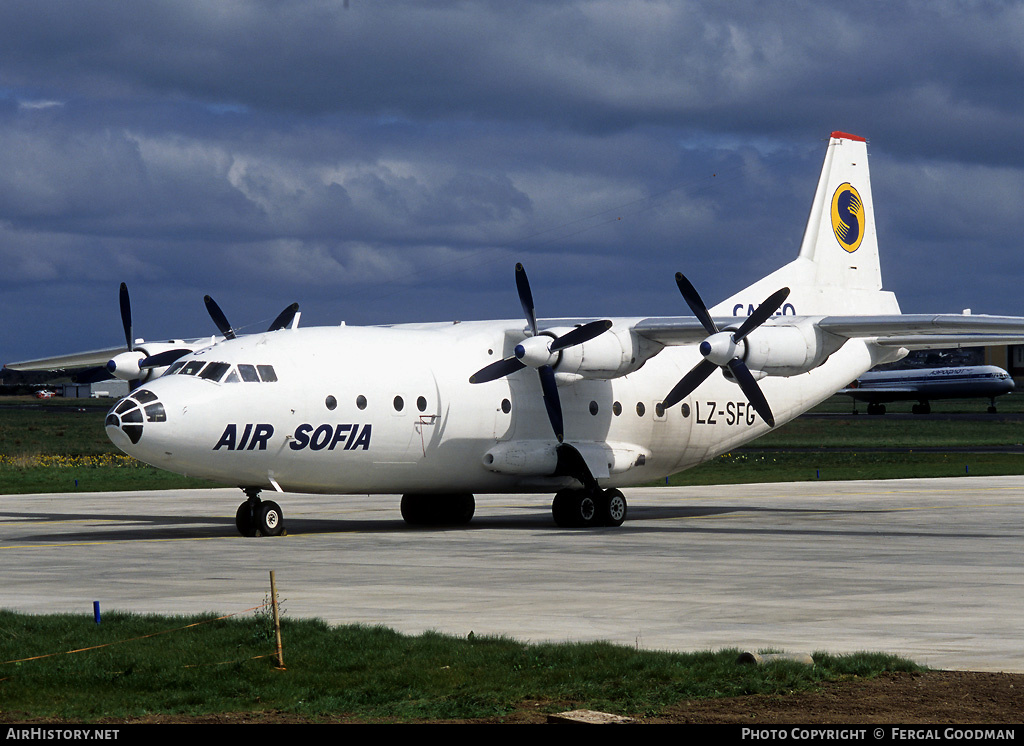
x=256 y=517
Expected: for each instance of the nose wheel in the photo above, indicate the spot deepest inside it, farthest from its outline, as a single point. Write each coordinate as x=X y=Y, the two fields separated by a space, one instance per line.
x=256 y=517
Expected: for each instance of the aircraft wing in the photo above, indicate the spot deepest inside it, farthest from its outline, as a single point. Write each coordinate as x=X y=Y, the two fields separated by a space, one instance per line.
x=99 y=358
x=869 y=390
x=90 y=359
x=928 y=331
x=913 y=331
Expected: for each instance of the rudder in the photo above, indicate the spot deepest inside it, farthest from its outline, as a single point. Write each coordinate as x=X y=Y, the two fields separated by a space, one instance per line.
x=838 y=270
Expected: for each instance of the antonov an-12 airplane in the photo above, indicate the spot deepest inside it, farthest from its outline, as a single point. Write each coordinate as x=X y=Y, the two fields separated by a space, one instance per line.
x=576 y=407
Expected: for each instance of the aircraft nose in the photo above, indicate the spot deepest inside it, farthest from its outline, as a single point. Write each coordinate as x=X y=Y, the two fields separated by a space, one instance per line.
x=128 y=418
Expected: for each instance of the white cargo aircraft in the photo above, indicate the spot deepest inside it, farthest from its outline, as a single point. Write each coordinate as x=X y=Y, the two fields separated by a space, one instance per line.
x=578 y=407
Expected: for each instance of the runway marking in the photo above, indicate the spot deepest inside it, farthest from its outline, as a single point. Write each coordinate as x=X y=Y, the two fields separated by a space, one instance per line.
x=115 y=541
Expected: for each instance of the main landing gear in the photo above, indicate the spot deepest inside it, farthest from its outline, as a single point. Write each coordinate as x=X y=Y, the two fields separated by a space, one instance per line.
x=589 y=508
x=256 y=517
x=572 y=508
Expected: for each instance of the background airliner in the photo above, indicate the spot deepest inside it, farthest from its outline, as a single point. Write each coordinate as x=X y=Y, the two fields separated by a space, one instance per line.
x=579 y=407
x=924 y=385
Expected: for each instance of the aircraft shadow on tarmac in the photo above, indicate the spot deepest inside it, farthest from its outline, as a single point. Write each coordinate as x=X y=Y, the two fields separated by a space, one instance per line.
x=57 y=527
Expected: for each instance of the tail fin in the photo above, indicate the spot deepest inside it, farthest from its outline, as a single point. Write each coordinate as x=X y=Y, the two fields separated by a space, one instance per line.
x=837 y=271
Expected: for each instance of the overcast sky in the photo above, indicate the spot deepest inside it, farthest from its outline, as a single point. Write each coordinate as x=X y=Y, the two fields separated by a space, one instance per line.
x=385 y=161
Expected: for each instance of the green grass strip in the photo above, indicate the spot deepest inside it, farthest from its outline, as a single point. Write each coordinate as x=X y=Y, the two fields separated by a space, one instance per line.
x=205 y=665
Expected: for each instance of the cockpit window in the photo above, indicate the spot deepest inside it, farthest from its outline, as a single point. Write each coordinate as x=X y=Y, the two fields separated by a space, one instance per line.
x=214 y=371
x=225 y=372
x=174 y=367
x=248 y=373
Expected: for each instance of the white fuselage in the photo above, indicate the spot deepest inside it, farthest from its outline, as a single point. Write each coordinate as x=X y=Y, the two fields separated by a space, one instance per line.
x=391 y=410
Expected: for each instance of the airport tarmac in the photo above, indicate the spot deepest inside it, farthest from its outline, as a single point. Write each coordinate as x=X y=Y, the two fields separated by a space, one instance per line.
x=927 y=569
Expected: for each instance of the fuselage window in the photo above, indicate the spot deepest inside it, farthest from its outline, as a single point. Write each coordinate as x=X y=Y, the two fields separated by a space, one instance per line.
x=214 y=371
x=267 y=374
x=399 y=403
x=640 y=409
x=248 y=373
x=616 y=408
x=361 y=401
x=421 y=403
x=331 y=403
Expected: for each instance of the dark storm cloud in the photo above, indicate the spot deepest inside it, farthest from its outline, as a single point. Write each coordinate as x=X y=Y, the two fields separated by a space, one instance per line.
x=391 y=161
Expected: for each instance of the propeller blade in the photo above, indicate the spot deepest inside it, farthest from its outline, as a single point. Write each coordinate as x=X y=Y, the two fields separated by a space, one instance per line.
x=126 y=317
x=497 y=370
x=526 y=297
x=162 y=359
x=761 y=314
x=689 y=382
x=581 y=334
x=752 y=391
x=284 y=318
x=218 y=317
x=696 y=303
x=551 y=401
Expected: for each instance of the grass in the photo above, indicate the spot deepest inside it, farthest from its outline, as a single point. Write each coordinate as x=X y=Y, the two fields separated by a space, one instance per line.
x=193 y=666
x=749 y=466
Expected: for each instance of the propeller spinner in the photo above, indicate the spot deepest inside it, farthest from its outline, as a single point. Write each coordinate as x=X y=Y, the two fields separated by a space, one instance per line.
x=540 y=351
x=724 y=349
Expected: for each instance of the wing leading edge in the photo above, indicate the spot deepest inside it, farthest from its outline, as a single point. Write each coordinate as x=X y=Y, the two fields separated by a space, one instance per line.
x=912 y=331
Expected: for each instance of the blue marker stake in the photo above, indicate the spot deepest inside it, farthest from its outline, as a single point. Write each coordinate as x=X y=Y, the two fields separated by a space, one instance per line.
x=96 y=611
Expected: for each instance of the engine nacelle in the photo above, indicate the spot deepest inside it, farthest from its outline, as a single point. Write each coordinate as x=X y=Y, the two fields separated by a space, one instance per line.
x=613 y=354
x=125 y=366
x=788 y=350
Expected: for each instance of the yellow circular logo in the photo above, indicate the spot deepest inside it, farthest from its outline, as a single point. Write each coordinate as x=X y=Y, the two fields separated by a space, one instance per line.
x=848 y=217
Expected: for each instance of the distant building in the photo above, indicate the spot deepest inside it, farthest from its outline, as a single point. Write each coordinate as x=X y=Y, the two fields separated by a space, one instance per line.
x=113 y=389
x=1008 y=357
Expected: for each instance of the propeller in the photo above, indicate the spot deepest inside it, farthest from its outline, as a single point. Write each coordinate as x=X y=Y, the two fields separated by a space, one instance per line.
x=283 y=319
x=107 y=371
x=540 y=351
x=126 y=317
x=723 y=349
x=218 y=317
x=162 y=359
